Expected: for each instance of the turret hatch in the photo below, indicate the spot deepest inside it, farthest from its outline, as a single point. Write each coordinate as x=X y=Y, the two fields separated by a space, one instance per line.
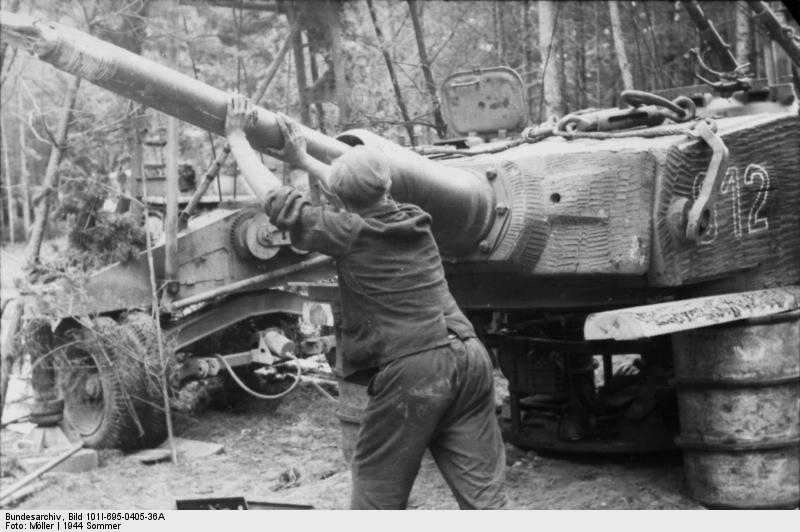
x=486 y=102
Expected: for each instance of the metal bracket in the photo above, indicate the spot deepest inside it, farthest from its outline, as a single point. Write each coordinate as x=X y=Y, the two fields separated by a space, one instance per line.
x=262 y=354
x=646 y=110
x=699 y=216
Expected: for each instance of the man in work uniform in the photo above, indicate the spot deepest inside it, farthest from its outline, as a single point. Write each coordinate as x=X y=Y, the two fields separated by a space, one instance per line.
x=433 y=386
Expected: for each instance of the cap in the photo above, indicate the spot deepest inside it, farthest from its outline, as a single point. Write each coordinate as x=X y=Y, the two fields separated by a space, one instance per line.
x=361 y=176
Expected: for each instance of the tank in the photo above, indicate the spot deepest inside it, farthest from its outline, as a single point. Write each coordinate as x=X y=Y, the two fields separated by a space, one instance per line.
x=585 y=255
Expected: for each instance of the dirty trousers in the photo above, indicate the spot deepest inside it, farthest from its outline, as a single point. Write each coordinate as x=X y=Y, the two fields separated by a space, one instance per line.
x=442 y=400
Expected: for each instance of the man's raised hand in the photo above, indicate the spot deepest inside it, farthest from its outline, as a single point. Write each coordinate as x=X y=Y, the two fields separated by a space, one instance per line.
x=241 y=114
x=294 y=143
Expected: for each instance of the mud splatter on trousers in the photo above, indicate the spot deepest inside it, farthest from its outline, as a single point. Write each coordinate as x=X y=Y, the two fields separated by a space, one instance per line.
x=443 y=400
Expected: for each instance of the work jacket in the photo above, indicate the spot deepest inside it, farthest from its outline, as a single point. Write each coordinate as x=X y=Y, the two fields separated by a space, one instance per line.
x=394 y=297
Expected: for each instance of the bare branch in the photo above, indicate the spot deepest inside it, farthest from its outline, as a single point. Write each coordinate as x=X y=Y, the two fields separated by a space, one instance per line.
x=449 y=37
x=390 y=67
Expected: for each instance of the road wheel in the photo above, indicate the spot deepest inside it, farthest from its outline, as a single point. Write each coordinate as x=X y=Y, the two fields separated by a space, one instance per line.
x=110 y=391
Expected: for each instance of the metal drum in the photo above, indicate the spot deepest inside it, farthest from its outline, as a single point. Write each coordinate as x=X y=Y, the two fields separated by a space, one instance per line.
x=739 y=400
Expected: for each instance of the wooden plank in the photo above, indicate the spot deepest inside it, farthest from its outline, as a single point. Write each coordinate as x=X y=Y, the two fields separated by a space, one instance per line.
x=665 y=318
x=30 y=477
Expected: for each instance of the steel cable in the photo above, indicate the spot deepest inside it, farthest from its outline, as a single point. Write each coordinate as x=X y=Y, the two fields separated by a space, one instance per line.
x=244 y=387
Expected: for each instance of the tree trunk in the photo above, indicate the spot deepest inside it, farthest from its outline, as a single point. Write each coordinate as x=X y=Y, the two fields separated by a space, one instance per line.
x=562 y=75
x=619 y=45
x=312 y=64
x=171 y=161
x=136 y=182
x=300 y=66
x=658 y=73
x=499 y=33
x=390 y=67
x=12 y=318
x=50 y=183
x=441 y=128
x=12 y=7
x=642 y=78
x=25 y=177
x=580 y=60
x=755 y=60
x=9 y=182
x=337 y=52
x=134 y=27
x=742 y=33
x=550 y=103
x=597 y=56
x=527 y=29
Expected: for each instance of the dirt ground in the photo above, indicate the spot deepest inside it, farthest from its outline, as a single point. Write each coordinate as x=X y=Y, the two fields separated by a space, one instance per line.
x=289 y=452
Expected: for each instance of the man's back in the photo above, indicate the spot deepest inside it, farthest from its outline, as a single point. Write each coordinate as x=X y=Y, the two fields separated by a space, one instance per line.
x=395 y=298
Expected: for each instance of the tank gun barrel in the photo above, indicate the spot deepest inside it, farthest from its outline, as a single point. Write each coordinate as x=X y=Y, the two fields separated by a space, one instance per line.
x=147 y=82
x=459 y=201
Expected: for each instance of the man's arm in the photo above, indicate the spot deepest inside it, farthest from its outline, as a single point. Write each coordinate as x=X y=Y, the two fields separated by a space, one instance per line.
x=240 y=116
x=295 y=152
x=310 y=227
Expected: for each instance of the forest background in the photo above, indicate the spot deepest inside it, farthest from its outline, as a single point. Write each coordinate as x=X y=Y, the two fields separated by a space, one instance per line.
x=334 y=65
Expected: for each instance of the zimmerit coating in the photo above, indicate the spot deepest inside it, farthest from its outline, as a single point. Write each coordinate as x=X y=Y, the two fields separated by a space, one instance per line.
x=72 y=52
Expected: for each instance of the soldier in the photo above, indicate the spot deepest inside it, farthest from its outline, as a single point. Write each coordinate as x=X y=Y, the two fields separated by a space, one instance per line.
x=431 y=383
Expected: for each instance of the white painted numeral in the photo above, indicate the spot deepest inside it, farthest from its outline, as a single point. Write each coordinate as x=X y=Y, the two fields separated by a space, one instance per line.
x=754 y=176
x=755 y=222
x=730 y=185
